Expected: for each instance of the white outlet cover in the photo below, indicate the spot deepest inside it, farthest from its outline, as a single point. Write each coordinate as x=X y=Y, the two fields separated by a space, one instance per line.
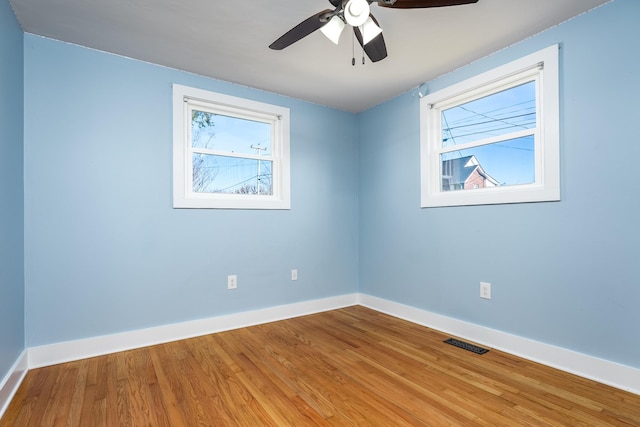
x=232 y=282
x=485 y=290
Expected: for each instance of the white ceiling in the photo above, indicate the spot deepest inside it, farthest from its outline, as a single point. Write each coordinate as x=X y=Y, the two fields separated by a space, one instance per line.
x=229 y=40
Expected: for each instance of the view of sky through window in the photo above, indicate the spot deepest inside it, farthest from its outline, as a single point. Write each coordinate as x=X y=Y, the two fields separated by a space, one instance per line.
x=231 y=155
x=507 y=157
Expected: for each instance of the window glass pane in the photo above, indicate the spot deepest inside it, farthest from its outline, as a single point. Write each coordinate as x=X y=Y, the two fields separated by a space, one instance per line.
x=231 y=175
x=498 y=114
x=231 y=134
x=509 y=162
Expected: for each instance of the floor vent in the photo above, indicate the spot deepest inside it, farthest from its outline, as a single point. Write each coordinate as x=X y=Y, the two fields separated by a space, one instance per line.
x=466 y=346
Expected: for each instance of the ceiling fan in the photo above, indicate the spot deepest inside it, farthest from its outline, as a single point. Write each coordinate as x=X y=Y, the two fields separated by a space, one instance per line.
x=356 y=13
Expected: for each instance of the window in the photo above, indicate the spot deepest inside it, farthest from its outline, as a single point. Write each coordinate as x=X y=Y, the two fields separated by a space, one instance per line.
x=493 y=138
x=229 y=152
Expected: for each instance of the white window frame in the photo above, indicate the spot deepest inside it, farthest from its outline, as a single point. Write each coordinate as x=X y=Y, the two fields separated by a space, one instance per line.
x=541 y=66
x=277 y=116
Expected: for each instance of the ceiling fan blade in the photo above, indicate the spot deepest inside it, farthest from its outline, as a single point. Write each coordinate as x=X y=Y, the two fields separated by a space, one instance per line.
x=419 y=4
x=300 y=31
x=376 y=49
x=335 y=3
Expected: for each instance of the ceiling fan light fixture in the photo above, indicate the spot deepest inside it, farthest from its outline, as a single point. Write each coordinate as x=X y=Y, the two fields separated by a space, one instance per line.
x=369 y=30
x=333 y=29
x=356 y=12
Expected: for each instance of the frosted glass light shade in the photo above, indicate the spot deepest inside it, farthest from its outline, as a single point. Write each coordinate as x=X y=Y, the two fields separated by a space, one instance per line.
x=333 y=29
x=369 y=31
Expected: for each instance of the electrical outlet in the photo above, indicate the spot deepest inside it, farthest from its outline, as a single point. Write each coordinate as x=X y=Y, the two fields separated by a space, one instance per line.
x=232 y=281
x=485 y=290
x=294 y=274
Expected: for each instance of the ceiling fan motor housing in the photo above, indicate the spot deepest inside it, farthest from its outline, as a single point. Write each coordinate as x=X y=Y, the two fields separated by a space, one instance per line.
x=356 y=12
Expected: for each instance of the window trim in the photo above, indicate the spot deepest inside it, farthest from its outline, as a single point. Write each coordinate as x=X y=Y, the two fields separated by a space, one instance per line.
x=183 y=194
x=541 y=65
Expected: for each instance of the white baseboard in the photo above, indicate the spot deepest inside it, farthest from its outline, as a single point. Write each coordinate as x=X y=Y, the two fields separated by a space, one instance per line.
x=600 y=370
x=10 y=383
x=68 y=351
x=603 y=371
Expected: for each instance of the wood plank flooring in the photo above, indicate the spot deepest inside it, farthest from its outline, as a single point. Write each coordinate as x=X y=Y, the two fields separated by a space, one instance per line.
x=348 y=367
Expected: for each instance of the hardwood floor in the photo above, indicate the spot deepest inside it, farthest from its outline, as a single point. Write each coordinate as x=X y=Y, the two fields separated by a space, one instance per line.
x=348 y=367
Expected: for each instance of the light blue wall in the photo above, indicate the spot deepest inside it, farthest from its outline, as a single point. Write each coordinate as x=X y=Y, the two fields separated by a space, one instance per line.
x=565 y=273
x=12 y=341
x=105 y=251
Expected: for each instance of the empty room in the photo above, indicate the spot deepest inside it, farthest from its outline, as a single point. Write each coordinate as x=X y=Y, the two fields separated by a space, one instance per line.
x=319 y=212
